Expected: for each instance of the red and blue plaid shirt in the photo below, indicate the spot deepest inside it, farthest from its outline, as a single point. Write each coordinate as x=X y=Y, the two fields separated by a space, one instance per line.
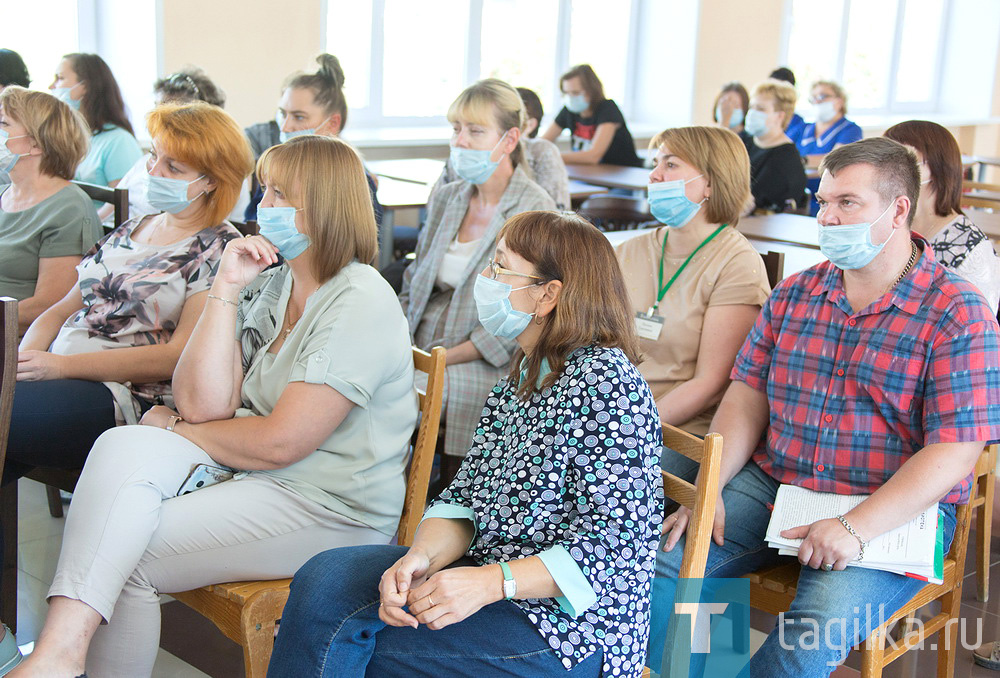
x=852 y=396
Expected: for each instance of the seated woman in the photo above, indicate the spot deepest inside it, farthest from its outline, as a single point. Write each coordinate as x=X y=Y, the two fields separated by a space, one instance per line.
x=107 y=350
x=541 y=155
x=310 y=103
x=46 y=223
x=831 y=128
x=730 y=109
x=957 y=242
x=314 y=404
x=463 y=219
x=183 y=87
x=85 y=82
x=777 y=178
x=515 y=569
x=596 y=125
x=697 y=286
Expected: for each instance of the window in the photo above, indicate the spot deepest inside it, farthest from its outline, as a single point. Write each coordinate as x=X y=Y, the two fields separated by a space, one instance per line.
x=405 y=61
x=19 y=31
x=886 y=53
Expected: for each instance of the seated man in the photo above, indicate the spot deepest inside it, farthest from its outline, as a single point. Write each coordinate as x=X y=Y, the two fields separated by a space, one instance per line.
x=877 y=373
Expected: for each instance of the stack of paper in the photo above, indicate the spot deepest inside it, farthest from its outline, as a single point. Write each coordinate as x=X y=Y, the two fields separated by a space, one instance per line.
x=915 y=549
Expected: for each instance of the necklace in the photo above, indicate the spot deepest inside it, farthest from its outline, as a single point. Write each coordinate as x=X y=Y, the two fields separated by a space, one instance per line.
x=291 y=325
x=909 y=264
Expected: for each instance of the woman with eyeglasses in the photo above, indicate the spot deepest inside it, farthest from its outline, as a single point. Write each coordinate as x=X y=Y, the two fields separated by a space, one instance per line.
x=537 y=559
x=463 y=219
x=85 y=82
x=831 y=128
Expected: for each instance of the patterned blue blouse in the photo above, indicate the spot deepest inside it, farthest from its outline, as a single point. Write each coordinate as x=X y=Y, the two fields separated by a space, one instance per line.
x=572 y=475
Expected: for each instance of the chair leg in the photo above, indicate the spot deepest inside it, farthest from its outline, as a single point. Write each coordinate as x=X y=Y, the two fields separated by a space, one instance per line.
x=55 y=501
x=951 y=603
x=873 y=653
x=984 y=534
x=258 y=644
x=8 y=571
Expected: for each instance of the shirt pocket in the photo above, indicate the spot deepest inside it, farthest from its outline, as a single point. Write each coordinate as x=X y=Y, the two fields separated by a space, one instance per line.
x=893 y=377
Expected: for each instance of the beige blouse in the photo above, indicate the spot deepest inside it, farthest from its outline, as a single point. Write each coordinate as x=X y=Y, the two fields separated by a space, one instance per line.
x=726 y=271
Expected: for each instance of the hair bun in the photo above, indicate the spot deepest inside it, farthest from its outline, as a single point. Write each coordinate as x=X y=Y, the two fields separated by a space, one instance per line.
x=329 y=68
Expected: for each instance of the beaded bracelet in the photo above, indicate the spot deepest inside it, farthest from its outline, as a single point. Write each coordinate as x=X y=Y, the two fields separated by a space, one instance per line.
x=224 y=301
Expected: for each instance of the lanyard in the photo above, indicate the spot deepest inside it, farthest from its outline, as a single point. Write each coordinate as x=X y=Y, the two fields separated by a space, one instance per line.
x=664 y=288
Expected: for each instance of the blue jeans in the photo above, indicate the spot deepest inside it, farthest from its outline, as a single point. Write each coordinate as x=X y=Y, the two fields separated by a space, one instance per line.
x=839 y=602
x=330 y=627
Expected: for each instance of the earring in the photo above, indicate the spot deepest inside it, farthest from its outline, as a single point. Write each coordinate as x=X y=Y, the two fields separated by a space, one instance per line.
x=538 y=321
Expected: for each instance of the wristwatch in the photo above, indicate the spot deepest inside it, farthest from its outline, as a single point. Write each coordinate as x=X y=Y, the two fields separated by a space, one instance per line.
x=509 y=585
x=172 y=421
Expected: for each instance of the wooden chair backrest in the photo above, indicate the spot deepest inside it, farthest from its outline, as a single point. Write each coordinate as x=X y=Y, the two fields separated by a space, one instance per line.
x=422 y=458
x=980 y=186
x=116 y=197
x=774 y=265
x=699 y=497
x=963 y=514
x=8 y=369
x=615 y=212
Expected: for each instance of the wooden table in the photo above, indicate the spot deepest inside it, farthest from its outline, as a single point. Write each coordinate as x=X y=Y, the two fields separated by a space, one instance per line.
x=797 y=257
x=414 y=170
x=579 y=191
x=611 y=176
x=395 y=195
x=791 y=229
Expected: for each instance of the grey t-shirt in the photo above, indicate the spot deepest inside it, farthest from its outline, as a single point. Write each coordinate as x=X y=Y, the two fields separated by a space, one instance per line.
x=352 y=337
x=64 y=224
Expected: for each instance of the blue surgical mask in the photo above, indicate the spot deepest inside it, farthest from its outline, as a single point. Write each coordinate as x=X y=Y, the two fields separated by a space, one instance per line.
x=169 y=195
x=850 y=246
x=63 y=94
x=472 y=165
x=285 y=136
x=735 y=120
x=496 y=314
x=575 y=103
x=756 y=123
x=277 y=224
x=7 y=158
x=669 y=205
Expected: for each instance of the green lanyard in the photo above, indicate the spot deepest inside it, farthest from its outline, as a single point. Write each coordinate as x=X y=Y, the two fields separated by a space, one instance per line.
x=664 y=288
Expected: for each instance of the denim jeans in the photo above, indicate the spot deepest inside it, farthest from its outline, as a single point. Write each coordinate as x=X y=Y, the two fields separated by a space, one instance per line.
x=330 y=627
x=845 y=604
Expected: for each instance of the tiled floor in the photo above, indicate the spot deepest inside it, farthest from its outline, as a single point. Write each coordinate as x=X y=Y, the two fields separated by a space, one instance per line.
x=191 y=647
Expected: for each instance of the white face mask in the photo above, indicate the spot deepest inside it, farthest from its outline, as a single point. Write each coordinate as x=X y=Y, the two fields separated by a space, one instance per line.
x=824 y=111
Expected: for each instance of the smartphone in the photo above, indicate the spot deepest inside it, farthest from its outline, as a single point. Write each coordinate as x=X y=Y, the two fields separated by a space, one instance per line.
x=204 y=475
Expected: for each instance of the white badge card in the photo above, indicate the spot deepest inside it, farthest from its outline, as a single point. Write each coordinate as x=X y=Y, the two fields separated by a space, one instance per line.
x=648 y=326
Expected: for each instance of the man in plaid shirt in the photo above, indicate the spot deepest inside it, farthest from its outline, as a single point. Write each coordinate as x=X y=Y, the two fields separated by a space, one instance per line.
x=877 y=372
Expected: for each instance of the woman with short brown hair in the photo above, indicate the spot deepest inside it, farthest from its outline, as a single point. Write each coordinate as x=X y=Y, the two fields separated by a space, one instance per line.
x=46 y=222
x=311 y=406
x=957 y=242
x=536 y=560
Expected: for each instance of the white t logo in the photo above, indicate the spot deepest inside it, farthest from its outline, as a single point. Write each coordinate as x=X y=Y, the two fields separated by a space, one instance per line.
x=700 y=613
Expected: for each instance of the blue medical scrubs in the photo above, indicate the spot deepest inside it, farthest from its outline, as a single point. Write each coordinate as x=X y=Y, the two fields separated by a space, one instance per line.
x=843 y=132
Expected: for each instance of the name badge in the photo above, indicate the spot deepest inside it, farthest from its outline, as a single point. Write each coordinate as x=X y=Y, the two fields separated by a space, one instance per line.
x=648 y=326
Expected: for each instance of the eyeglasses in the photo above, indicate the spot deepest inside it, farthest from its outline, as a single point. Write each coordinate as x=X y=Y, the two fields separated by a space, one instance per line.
x=820 y=98
x=496 y=269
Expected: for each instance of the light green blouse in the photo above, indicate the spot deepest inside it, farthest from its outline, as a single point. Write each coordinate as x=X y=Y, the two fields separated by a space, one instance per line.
x=354 y=338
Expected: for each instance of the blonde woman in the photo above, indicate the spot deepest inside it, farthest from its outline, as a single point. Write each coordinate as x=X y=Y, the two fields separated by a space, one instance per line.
x=831 y=128
x=313 y=404
x=777 y=177
x=695 y=285
x=46 y=223
x=463 y=219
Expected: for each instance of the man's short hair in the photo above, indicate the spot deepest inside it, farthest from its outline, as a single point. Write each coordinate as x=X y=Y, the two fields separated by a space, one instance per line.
x=895 y=167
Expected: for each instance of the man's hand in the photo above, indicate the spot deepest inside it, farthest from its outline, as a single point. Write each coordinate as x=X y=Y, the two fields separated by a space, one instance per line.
x=825 y=542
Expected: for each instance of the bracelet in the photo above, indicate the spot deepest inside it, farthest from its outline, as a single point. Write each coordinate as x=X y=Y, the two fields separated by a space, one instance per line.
x=847 y=526
x=173 y=421
x=224 y=301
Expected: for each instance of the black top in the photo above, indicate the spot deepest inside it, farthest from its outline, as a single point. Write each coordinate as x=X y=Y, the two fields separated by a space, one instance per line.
x=776 y=176
x=622 y=148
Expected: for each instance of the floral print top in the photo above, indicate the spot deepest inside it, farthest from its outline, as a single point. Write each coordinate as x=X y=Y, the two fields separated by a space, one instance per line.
x=133 y=295
x=572 y=475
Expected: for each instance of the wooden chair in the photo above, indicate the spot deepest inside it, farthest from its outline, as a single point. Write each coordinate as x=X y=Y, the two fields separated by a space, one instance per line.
x=246 y=612
x=117 y=197
x=982 y=505
x=774 y=264
x=772 y=590
x=8 y=500
x=700 y=496
x=981 y=195
x=616 y=212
